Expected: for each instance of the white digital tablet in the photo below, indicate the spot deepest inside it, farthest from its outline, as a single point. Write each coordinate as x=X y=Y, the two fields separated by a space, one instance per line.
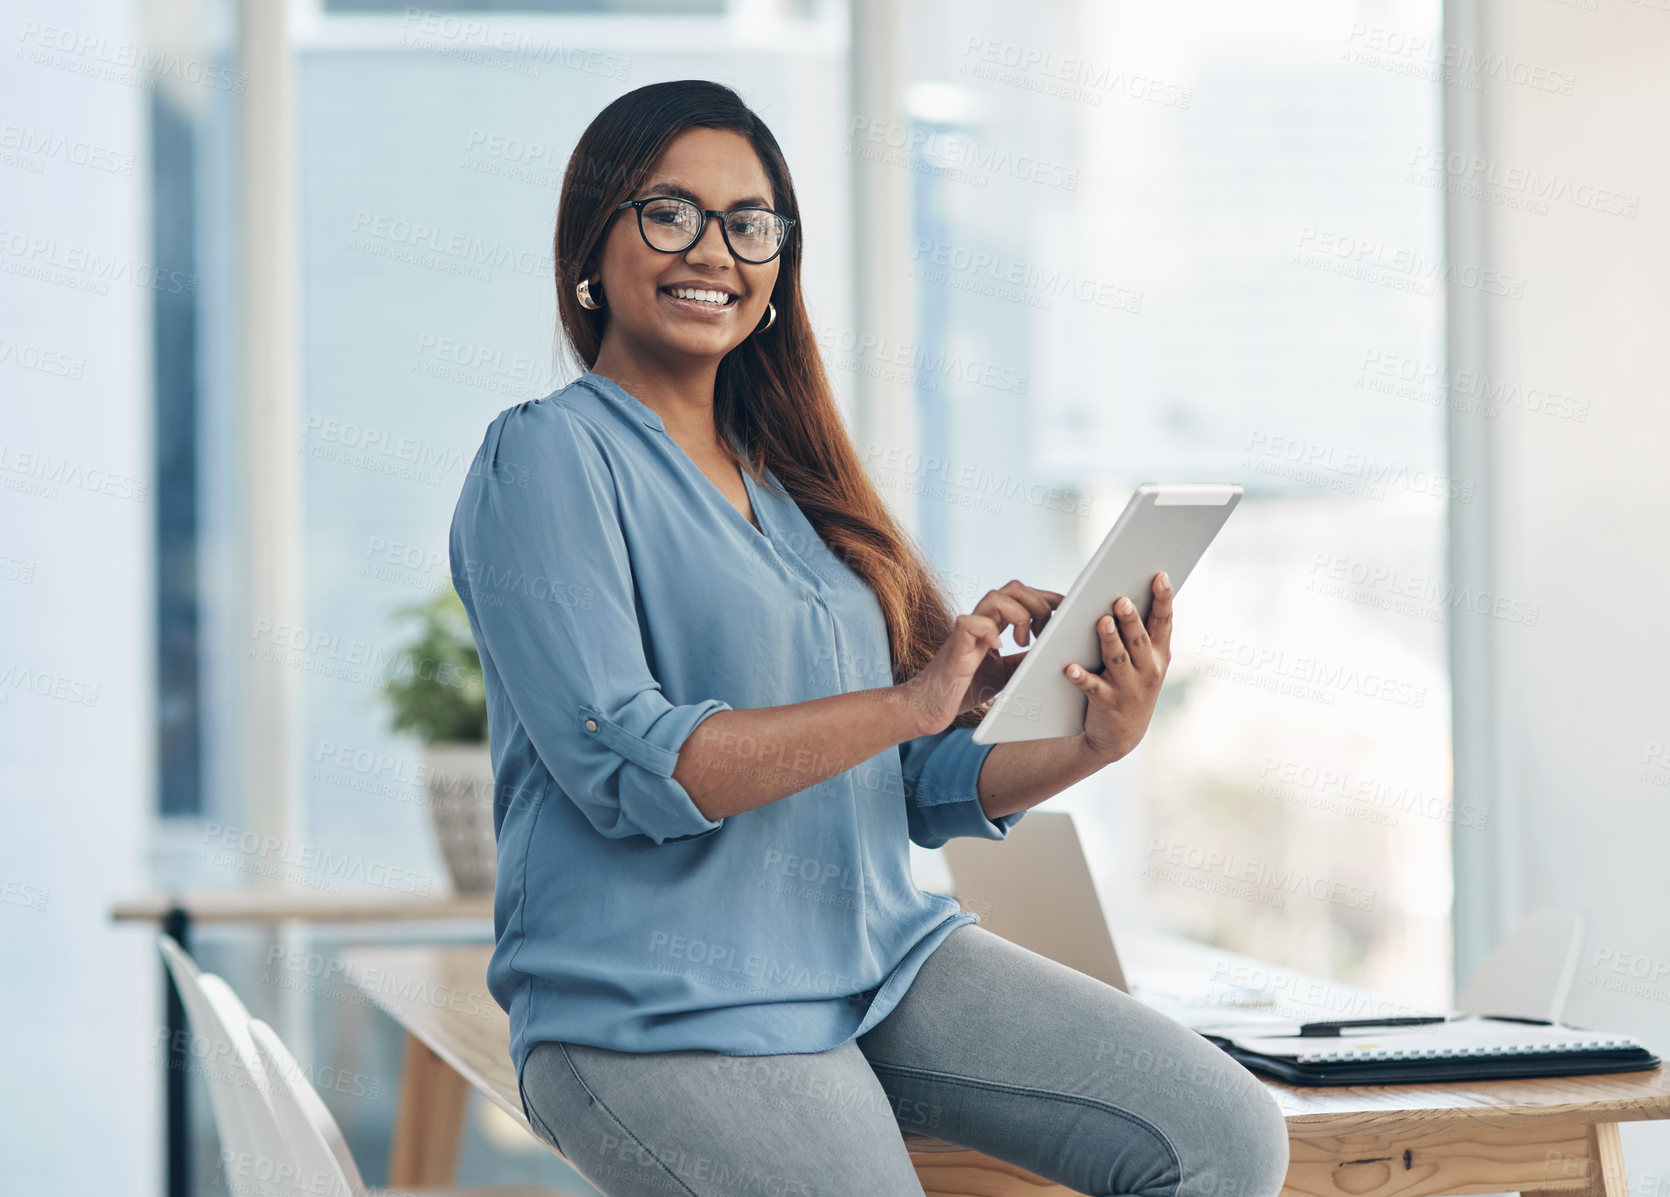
x=1165 y=526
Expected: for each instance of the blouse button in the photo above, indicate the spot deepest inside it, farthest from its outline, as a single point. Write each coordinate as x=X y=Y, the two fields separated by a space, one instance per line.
x=591 y=725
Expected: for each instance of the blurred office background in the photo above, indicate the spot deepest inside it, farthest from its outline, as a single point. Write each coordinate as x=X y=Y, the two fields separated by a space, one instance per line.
x=1396 y=267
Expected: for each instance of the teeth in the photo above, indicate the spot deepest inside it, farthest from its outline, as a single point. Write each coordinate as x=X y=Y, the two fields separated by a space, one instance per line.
x=714 y=297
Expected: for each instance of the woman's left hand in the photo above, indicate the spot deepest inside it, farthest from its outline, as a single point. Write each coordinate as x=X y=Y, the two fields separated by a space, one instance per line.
x=1134 y=663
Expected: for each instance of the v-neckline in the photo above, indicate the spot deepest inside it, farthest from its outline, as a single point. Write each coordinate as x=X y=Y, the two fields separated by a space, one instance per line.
x=759 y=529
x=650 y=417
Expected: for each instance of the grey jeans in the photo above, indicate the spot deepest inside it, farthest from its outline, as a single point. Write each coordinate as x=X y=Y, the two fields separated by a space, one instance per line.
x=993 y=1047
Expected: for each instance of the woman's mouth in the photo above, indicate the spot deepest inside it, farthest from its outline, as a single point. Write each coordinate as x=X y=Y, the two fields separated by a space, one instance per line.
x=697 y=299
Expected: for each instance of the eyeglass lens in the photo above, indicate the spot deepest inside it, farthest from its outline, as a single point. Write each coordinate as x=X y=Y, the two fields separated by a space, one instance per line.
x=672 y=225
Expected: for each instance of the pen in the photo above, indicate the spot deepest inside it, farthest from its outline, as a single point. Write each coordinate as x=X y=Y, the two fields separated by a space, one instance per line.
x=1318 y=1030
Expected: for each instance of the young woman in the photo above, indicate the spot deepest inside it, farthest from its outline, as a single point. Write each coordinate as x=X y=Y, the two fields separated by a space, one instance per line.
x=724 y=692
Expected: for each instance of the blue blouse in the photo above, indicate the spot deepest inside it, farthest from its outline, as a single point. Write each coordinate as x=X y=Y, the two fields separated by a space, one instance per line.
x=618 y=599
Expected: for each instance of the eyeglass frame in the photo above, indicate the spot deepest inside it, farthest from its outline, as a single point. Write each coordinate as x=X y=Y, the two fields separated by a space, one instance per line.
x=788 y=226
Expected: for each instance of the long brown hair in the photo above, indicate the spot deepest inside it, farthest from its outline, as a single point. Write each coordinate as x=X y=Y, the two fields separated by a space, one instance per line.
x=771 y=392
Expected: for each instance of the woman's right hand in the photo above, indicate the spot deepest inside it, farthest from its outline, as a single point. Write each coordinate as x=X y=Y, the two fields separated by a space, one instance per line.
x=969 y=667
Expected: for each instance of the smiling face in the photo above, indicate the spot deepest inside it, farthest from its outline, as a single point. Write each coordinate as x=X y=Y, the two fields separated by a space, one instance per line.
x=660 y=305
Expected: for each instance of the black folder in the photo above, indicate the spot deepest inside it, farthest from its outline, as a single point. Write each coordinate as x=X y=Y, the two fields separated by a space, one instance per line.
x=1419 y=1050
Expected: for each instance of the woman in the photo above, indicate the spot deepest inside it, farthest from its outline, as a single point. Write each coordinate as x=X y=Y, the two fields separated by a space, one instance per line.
x=724 y=693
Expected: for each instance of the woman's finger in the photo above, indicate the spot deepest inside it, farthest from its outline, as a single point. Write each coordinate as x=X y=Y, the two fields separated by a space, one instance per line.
x=1009 y=610
x=982 y=630
x=1135 y=637
x=1115 y=659
x=1036 y=600
x=1092 y=684
x=1159 y=618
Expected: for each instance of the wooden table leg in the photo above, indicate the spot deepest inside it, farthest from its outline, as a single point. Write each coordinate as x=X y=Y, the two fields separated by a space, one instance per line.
x=429 y=1126
x=1601 y=1167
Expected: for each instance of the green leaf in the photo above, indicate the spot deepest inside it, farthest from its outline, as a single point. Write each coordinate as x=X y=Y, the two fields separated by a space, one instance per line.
x=433 y=683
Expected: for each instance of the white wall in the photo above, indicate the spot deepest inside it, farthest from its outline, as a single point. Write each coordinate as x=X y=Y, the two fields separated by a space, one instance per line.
x=1577 y=517
x=78 y=996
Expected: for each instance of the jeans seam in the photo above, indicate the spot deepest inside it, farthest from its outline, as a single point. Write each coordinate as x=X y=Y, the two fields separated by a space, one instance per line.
x=1069 y=1098
x=534 y=1116
x=671 y=1175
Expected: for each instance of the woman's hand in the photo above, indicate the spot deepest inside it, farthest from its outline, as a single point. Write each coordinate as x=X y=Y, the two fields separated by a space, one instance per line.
x=970 y=667
x=1134 y=663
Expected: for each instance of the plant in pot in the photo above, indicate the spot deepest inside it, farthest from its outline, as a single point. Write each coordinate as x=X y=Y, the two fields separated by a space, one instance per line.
x=433 y=685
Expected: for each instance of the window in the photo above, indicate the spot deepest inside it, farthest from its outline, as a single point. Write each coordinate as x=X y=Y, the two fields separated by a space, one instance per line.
x=1193 y=242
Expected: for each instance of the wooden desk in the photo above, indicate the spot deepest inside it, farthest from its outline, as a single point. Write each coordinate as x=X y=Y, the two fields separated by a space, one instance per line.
x=1554 y=1135
x=176 y=913
x=279 y=906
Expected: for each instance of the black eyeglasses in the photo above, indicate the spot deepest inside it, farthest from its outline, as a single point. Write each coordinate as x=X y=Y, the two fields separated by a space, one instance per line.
x=671 y=225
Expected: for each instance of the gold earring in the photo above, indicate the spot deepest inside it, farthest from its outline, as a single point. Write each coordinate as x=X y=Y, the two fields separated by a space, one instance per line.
x=770 y=317
x=582 y=291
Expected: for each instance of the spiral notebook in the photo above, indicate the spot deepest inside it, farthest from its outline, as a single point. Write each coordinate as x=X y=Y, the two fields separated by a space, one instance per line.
x=1456 y=1048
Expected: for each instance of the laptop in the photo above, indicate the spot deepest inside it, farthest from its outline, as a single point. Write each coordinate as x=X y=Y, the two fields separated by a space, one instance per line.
x=1034 y=888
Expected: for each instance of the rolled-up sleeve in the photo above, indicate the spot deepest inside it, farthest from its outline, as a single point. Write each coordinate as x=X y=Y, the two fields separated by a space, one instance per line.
x=539 y=558
x=941 y=784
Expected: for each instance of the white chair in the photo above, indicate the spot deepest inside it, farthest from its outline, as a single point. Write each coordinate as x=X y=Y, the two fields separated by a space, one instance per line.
x=277 y=1135
x=1530 y=972
x=250 y=1144
x=319 y=1150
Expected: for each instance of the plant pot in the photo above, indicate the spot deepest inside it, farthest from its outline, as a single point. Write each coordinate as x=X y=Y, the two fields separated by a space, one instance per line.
x=460 y=783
